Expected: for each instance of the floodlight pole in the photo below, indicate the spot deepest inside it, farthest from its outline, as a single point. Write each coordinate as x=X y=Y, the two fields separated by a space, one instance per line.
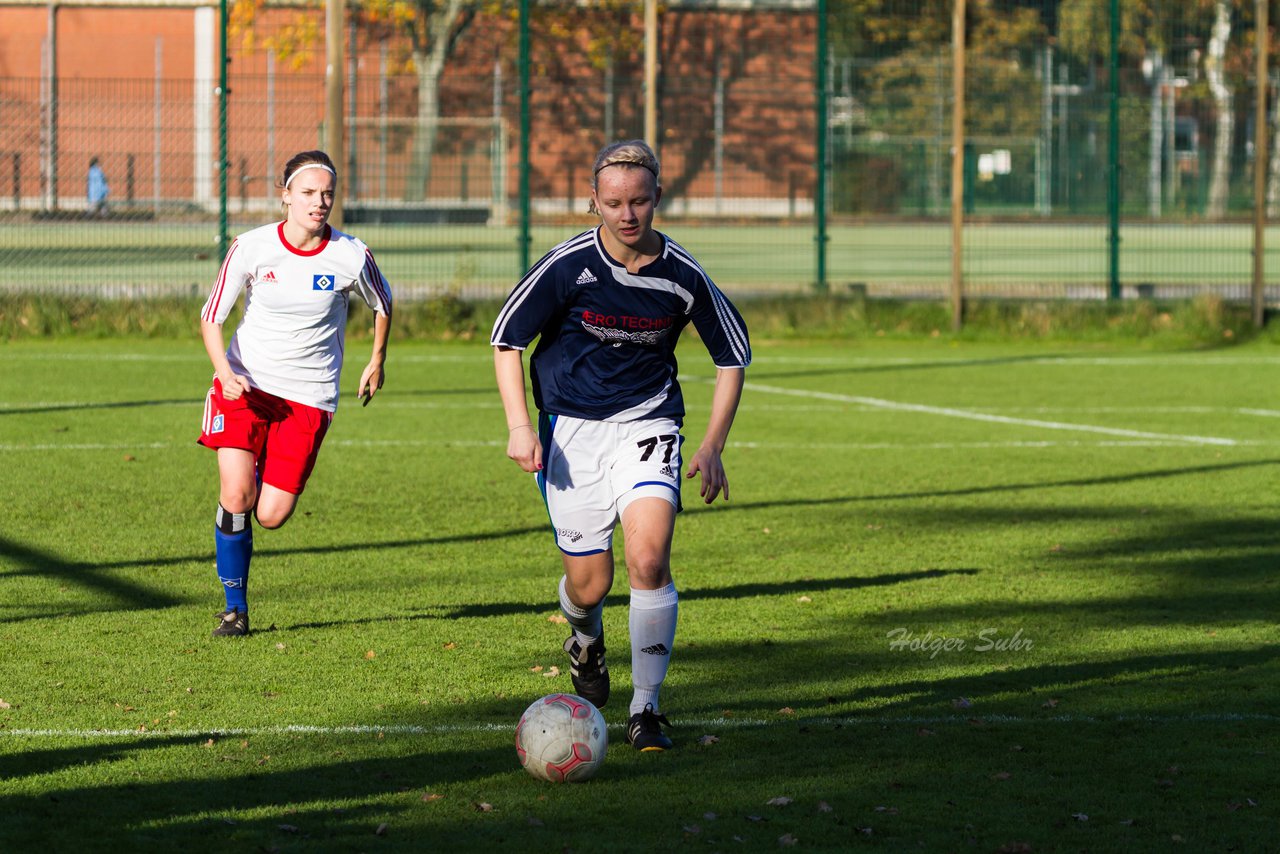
x=957 y=164
x=651 y=73
x=523 y=84
x=334 y=37
x=223 y=60
x=1262 y=48
x=1113 y=155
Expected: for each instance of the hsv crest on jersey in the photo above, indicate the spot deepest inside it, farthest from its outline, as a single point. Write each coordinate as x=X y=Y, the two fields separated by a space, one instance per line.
x=585 y=277
x=322 y=282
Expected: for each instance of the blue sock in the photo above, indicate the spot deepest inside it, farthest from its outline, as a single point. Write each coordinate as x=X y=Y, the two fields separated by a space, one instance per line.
x=233 y=539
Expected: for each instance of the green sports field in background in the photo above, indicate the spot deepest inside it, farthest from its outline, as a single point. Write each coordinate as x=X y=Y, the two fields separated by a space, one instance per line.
x=991 y=597
x=900 y=259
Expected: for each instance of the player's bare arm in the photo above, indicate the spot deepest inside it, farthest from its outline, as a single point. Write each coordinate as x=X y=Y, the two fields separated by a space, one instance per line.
x=233 y=385
x=522 y=435
x=373 y=375
x=706 y=460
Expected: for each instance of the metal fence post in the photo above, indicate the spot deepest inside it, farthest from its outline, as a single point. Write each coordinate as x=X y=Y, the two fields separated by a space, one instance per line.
x=820 y=185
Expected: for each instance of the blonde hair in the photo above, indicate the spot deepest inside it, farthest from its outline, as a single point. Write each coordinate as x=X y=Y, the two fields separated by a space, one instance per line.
x=628 y=153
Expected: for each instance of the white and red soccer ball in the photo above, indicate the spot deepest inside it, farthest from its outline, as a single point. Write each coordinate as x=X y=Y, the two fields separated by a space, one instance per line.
x=561 y=738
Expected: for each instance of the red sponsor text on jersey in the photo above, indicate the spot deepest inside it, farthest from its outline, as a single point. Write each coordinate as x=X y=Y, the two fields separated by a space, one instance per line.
x=625 y=321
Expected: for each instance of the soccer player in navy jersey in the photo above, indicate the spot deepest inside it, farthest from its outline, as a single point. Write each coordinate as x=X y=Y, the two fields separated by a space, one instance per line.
x=275 y=389
x=607 y=308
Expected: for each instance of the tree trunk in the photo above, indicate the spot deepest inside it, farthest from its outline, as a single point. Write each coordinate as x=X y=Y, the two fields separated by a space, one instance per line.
x=1220 y=178
x=1273 y=169
x=429 y=59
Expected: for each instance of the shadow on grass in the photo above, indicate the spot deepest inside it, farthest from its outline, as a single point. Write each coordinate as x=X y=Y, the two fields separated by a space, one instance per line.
x=113 y=404
x=237 y=784
x=737 y=591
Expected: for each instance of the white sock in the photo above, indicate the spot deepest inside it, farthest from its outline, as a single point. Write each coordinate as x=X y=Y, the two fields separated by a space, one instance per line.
x=587 y=624
x=652 y=622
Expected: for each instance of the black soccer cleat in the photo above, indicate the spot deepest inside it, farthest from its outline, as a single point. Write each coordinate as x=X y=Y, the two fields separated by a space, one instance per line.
x=590 y=673
x=644 y=731
x=232 y=624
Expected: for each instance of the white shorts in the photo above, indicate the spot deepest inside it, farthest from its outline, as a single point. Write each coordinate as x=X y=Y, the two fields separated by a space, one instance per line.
x=592 y=470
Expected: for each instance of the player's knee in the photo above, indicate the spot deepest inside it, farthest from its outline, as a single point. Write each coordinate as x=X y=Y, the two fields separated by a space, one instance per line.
x=649 y=570
x=237 y=500
x=272 y=518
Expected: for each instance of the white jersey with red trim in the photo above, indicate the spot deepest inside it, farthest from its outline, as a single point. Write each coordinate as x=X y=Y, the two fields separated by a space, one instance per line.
x=290 y=340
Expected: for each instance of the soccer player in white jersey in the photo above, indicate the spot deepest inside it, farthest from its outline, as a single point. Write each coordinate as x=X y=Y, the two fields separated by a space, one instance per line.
x=607 y=308
x=275 y=389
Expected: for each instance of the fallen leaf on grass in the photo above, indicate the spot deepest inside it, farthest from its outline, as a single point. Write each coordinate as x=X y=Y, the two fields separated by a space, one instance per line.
x=1001 y=775
x=962 y=702
x=1050 y=703
x=865 y=831
x=279 y=646
x=263 y=760
x=209 y=743
x=551 y=671
x=370 y=655
x=925 y=732
x=787 y=840
x=1079 y=816
x=451 y=645
x=483 y=807
x=534 y=822
x=692 y=829
x=709 y=739
x=287 y=828
x=823 y=806
x=889 y=810
x=804 y=599
x=558 y=619
x=537 y=668
x=4 y=705
x=1127 y=822
x=780 y=801
x=786 y=710
x=431 y=796
x=381 y=830
x=710 y=816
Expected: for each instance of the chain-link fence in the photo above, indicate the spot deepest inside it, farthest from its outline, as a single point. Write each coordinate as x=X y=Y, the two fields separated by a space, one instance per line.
x=433 y=178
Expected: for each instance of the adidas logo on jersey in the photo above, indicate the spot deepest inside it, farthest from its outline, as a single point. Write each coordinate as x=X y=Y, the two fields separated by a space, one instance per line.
x=269 y=277
x=585 y=278
x=656 y=649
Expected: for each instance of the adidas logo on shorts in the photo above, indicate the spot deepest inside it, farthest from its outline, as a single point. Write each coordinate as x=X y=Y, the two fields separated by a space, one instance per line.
x=666 y=471
x=585 y=277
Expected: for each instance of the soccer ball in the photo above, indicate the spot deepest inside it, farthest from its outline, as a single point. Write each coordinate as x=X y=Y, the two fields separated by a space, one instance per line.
x=561 y=738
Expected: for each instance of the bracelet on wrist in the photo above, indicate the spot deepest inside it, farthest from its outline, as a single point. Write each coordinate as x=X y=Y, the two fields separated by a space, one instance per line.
x=518 y=426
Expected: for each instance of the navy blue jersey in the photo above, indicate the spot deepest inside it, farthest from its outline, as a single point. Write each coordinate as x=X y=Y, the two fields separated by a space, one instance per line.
x=608 y=337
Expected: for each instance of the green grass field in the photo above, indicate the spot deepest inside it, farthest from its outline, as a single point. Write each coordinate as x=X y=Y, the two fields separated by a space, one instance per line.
x=965 y=596
x=908 y=258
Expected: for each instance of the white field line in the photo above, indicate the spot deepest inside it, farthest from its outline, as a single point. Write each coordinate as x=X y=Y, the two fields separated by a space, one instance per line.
x=989 y=417
x=686 y=725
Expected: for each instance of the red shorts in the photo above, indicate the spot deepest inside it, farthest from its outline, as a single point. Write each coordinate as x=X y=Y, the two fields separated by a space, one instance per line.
x=284 y=436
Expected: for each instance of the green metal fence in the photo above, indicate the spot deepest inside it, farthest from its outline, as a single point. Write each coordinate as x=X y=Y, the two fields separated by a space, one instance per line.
x=432 y=175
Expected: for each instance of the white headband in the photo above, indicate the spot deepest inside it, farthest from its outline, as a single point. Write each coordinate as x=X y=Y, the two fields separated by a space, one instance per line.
x=289 y=180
